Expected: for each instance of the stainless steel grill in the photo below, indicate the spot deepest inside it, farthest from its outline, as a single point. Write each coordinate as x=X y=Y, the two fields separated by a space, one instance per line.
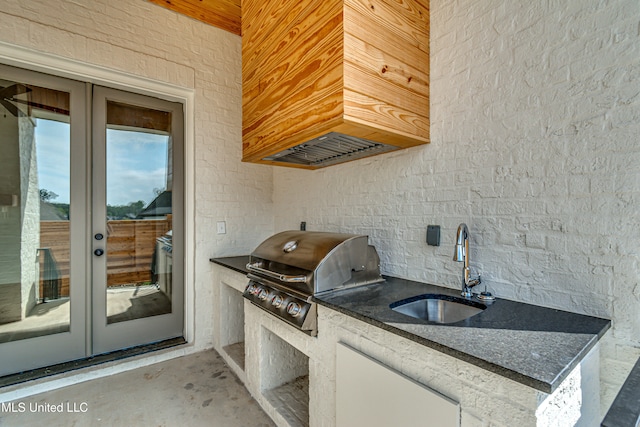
x=289 y=268
x=330 y=149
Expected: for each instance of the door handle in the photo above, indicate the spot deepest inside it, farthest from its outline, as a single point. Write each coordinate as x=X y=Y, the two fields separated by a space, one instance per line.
x=98 y=252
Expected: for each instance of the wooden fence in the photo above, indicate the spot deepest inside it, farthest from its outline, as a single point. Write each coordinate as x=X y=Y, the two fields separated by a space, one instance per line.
x=130 y=249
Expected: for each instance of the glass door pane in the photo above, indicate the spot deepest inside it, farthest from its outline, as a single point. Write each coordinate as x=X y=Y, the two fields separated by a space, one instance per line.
x=135 y=189
x=139 y=229
x=42 y=126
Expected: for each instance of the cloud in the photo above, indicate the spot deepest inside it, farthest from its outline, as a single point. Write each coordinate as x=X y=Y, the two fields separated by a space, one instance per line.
x=137 y=163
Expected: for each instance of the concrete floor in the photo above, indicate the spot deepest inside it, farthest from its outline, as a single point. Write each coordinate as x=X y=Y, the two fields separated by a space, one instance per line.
x=194 y=390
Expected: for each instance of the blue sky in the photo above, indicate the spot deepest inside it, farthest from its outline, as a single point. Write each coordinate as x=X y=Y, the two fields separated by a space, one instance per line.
x=52 y=145
x=136 y=162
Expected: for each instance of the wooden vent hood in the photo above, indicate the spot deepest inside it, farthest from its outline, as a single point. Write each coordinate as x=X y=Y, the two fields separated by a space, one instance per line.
x=327 y=81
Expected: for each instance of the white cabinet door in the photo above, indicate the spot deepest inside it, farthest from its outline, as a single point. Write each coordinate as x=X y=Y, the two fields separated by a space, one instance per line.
x=370 y=394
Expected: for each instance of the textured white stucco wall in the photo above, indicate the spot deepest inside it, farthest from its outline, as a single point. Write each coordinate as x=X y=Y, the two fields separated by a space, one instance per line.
x=145 y=40
x=535 y=117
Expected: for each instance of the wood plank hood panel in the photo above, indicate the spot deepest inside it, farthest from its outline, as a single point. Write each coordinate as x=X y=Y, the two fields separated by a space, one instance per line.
x=223 y=14
x=334 y=71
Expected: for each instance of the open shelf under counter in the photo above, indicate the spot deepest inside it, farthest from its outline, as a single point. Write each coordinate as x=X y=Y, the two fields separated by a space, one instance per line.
x=291 y=400
x=236 y=353
x=284 y=379
x=229 y=337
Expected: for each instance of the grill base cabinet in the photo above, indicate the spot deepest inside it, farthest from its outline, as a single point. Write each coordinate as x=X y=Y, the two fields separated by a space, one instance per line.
x=298 y=379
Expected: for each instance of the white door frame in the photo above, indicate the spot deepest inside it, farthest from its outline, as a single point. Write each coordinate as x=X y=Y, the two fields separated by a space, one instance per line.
x=19 y=56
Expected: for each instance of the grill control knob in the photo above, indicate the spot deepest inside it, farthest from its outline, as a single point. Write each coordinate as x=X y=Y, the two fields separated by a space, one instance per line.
x=253 y=289
x=294 y=309
x=277 y=301
x=263 y=294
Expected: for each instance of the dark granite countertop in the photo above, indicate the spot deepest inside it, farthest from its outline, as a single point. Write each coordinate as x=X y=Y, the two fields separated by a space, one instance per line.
x=533 y=345
x=236 y=263
x=625 y=410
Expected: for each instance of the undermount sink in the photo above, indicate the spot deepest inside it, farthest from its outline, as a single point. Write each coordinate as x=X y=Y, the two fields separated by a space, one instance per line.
x=438 y=308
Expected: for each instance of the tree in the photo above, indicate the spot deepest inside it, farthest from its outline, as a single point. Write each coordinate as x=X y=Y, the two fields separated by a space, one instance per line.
x=125 y=211
x=47 y=195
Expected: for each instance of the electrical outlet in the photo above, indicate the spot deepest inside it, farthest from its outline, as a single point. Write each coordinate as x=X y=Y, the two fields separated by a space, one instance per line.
x=433 y=235
x=222 y=227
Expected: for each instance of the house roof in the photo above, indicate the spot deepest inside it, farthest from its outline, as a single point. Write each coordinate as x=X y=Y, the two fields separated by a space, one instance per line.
x=160 y=206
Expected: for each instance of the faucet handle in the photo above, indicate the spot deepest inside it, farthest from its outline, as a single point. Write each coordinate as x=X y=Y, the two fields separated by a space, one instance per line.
x=474 y=282
x=486 y=296
x=466 y=290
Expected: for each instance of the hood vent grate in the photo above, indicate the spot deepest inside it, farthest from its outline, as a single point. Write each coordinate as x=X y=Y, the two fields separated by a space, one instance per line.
x=330 y=149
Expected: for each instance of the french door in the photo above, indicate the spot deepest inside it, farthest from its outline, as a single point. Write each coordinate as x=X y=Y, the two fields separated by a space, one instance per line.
x=91 y=222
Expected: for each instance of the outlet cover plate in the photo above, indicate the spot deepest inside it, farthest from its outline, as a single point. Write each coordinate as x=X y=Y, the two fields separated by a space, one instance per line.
x=222 y=227
x=433 y=235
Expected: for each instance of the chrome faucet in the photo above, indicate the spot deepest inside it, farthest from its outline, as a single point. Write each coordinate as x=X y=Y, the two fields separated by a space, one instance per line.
x=461 y=254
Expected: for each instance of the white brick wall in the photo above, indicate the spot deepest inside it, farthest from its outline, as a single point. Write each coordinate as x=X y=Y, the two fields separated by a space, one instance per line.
x=149 y=41
x=535 y=115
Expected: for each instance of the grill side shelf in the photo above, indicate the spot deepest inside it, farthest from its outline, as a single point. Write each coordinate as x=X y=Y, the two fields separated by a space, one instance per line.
x=255 y=267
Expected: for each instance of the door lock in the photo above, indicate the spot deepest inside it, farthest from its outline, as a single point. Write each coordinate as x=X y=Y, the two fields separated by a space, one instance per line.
x=98 y=252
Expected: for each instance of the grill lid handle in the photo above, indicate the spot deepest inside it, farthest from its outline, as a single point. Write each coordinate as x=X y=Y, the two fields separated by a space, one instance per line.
x=272 y=274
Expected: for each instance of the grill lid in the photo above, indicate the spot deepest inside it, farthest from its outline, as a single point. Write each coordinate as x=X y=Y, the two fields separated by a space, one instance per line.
x=316 y=261
x=307 y=249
